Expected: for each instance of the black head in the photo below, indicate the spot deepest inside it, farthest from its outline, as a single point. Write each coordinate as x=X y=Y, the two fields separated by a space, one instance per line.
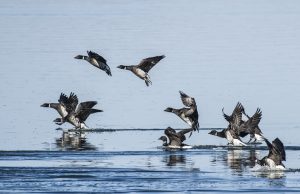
x=58 y=120
x=121 y=67
x=213 y=132
x=163 y=138
x=79 y=57
x=168 y=109
x=45 y=105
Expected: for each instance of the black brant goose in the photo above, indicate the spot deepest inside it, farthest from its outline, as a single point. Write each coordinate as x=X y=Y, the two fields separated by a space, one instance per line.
x=60 y=107
x=235 y=119
x=233 y=132
x=251 y=125
x=275 y=157
x=246 y=127
x=188 y=114
x=77 y=113
x=176 y=139
x=96 y=60
x=141 y=70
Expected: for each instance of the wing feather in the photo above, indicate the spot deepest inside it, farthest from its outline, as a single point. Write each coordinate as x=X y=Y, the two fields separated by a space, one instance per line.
x=86 y=105
x=187 y=100
x=96 y=56
x=85 y=113
x=147 y=63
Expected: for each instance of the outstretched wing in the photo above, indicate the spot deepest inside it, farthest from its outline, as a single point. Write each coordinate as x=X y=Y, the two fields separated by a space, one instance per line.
x=72 y=103
x=173 y=136
x=69 y=103
x=255 y=119
x=85 y=105
x=236 y=116
x=226 y=117
x=278 y=148
x=238 y=113
x=252 y=123
x=96 y=56
x=184 y=131
x=63 y=99
x=147 y=63
x=276 y=151
x=187 y=100
x=85 y=113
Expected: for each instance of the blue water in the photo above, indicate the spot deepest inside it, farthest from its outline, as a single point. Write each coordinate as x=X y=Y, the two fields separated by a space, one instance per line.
x=219 y=52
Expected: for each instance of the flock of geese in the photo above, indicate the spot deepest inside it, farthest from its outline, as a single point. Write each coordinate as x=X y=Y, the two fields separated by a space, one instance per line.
x=75 y=113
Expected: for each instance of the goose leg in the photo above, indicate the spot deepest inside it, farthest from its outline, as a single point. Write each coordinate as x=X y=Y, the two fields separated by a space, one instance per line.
x=250 y=140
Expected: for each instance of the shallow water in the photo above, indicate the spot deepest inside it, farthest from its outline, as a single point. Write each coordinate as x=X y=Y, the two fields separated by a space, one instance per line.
x=219 y=52
x=106 y=162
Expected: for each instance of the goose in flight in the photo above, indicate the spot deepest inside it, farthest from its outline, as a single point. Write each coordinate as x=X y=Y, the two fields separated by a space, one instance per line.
x=142 y=69
x=96 y=60
x=60 y=107
x=188 y=114
x=77 y=113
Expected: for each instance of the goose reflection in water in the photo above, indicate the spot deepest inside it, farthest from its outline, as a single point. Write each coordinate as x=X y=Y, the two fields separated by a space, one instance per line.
x=237 y=160
x=271 y=175
x=74 y=141
x=173 y=160
x=241 y=161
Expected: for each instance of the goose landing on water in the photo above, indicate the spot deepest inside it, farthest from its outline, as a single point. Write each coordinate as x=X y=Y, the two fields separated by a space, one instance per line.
x=246 y=127
x=59 y=107
x=251 y=125
x=77 y=113
x=96 y=60
x=72 y=112
x=141 y=70
x=239 y=128
x=230 y=134
x=176 y=139
x=275 y=157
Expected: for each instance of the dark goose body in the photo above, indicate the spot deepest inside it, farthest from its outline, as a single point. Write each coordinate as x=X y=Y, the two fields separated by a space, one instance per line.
x=251 y=125
x=275 y=157
x=96 y=60
x=188 y=114
x=176 y=139
x=234 y=131
x=77 y=113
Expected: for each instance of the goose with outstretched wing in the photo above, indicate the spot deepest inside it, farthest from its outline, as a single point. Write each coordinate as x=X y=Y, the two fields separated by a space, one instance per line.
x=176 y=139
x=96 y=60
x=275 y=157
x=251 y=126
x=77 y=113
x=188 y=114
x=142 y=69
x=63 y=105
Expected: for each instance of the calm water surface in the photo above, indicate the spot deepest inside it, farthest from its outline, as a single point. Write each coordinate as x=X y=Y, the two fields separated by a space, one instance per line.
x=219 y=52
